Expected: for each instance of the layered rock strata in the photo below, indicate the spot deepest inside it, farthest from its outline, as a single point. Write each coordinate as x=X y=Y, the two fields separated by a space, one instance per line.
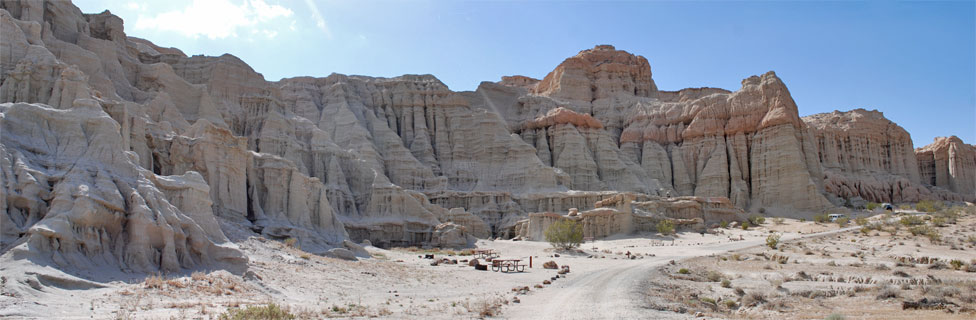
x=324 y=160
x=949 y=164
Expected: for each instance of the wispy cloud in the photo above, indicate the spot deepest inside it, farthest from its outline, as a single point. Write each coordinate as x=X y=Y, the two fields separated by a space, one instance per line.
x=319 y=21
x=217 y=19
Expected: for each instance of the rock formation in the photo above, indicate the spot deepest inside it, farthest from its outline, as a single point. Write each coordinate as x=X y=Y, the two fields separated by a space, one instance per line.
x=105 y=135
x=949 y=164
x=865 y=155
x=622 y=214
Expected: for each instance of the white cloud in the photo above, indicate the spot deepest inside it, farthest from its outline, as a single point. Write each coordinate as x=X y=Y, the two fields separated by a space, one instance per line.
x=133 y=5
x=319 y=21
x=216 y=19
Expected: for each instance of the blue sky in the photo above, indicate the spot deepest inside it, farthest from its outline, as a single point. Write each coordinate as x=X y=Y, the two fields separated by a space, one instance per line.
x=914 y=61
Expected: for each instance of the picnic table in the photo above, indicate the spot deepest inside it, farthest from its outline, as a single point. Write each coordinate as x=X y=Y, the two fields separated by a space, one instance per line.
x=485 y=253
x=507 y=265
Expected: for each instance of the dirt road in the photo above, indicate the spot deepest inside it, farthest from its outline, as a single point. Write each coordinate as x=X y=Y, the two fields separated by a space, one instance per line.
x=612 y=292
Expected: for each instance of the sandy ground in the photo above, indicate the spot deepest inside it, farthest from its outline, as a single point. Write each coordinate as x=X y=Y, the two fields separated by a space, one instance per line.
x=858 y=275
x=604 y=281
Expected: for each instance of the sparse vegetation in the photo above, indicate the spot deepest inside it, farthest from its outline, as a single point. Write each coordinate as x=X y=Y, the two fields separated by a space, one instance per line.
x=683 y=271
x=270 y=311
x=928 y=206
x=726 y=283
x=871 y=206
x=861 y=221
x=292 y=242
x=842 y=221
x=911 y=221
x=665 y=227
x=565 y=234
x=772 y=240
x=746 y=225
x=821 y=218
x=927 y=231
x=724 y=224
x=757 y=219
x=778 y=221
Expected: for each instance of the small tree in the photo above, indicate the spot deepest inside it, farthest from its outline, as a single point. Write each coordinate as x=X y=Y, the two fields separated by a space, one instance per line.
x=665 y=227
x=565 y=234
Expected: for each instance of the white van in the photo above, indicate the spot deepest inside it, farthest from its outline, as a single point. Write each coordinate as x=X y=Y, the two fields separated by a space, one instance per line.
x=834 y=216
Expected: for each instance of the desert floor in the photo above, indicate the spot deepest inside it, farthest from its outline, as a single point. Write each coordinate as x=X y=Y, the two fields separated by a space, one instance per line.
x=603 y=282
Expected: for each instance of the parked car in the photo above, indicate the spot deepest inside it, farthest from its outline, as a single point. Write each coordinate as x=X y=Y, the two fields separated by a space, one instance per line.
x=834 y=216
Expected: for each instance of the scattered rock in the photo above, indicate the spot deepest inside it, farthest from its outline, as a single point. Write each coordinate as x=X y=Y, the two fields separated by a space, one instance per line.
x=341 y=253
x=550 y=265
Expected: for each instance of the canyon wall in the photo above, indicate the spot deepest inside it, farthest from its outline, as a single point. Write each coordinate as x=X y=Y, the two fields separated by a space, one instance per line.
x=118 y=151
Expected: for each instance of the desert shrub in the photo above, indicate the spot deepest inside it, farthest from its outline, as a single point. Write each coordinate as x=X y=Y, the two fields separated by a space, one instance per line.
x=956 y=264
x=292 y=242
x=871 y=206
x=887 y=292
x=911 y=220
x=724 y=224
x=683 y=271
x=154 y=281
x=565 y=234
x=753 y=299
x=726 y=283
x=927 y=231
x=715 y=276
x=821 y=218
x=842 y=221
x=757 y=219
x=939 y=221
x=270 y=311
x=835 y=316
x=665 y=227
x=778 y=221
x=861 y=221
x=772 y=240
x=928 y=206
x=730 y=304
x=746 y=225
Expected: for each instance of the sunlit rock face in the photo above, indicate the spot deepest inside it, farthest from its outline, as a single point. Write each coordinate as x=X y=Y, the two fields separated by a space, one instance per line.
x=949 y=164
x=865 y=155
x=120 y=152
x=600 y=119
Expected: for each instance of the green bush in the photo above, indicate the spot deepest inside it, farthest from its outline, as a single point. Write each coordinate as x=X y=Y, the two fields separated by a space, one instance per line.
x=726 y=283
x=565 y=234
x=821 y=218
x=724 y=224
x=683 y=271
x=757 y=219
x=746 y=225
x=911 y=220
x=956 y=264
x=939 y=221
x=665 y=227
x=927 y=231
x=842 y=221
x=861 y=221
x=268 y=312
x=772 y=240
x=871 y=206
x=928 y=206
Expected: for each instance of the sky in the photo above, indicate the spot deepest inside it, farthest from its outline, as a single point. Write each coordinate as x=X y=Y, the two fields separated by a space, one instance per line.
x=914 y=61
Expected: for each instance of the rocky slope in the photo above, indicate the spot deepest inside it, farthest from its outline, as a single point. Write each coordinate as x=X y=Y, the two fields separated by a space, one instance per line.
x=118 y=151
